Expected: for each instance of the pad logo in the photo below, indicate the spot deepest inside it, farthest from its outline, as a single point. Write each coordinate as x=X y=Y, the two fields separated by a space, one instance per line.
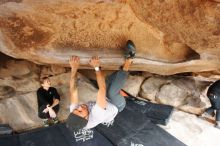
x=133 y=144
x=109 y=123
x=140 y=102
x=83 y=135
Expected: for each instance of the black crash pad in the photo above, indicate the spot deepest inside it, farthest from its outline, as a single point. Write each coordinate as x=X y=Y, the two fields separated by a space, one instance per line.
x=132 y=128
x=5 y=129
x=157 y=113
x=9 y=140
x=57 y=135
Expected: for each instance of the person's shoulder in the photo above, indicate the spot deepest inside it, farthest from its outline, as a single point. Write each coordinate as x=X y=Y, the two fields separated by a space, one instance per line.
x=52 y=88
x=98 y=108
x=40 y=89
x=215 y=84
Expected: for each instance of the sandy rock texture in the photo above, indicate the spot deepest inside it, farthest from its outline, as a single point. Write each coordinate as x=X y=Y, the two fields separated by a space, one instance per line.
x=170 y=36
x=184 y=93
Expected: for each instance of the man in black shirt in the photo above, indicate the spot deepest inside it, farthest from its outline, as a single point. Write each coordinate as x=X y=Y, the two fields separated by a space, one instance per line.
x=48 y=101
x=213 y=94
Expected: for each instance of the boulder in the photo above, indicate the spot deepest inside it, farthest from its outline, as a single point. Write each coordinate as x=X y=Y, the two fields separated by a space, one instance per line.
x=133 y=84
x=184 y=93
x=20 y=111
x=172 y=95
x=170 y=36
x=151 y=86
x=52 y=70
x=13 y=68
x=6 y=92
x=22 y=76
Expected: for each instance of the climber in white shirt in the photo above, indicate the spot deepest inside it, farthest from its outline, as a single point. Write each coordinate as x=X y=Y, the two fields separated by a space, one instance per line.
x=109 y=101
x=104 y=110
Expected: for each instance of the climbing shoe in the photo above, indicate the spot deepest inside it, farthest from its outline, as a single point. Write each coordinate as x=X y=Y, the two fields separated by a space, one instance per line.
x=130 y=50
x=55 y=120
x=46 y=123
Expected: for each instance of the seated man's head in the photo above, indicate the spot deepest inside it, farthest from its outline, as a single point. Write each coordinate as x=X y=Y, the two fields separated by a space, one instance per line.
x=45 y=82
x=78 y=118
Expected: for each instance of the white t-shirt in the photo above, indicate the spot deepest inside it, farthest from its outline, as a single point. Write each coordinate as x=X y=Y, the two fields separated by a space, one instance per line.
x=97 y=114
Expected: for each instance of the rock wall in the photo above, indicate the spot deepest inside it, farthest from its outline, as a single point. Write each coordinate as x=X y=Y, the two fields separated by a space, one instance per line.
x=19 y=81
x=194 y=23
x=170 y=36
x=18 y=100
x=185 y=93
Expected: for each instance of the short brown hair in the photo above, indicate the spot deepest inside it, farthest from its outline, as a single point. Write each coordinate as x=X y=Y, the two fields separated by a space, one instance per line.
x=43 y=79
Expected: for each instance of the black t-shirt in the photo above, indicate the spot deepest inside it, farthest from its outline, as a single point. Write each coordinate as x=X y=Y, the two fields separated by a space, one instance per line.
x=46 y=96
x=214 y=94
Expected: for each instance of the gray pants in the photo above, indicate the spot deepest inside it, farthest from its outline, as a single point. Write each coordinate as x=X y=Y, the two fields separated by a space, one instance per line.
x=114 y=84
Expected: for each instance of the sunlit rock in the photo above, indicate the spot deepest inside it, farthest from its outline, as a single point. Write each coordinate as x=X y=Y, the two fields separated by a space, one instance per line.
x=170 y=36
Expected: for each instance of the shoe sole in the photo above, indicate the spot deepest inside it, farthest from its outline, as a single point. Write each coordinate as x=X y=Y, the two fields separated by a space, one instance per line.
x=130 y=53
x=55 y=122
